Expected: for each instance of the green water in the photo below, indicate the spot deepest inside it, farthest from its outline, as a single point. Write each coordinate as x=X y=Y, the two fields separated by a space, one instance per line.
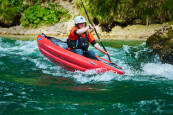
x=31 y=84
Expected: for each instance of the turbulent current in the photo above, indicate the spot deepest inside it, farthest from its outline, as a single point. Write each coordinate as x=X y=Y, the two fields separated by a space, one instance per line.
x=31 y=84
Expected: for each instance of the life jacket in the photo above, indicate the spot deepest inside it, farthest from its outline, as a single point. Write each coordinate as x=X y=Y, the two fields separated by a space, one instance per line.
x=80 y=43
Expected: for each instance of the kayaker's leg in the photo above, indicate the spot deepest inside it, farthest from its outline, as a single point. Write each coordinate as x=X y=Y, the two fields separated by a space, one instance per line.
x=78 y=51
x=91 y=54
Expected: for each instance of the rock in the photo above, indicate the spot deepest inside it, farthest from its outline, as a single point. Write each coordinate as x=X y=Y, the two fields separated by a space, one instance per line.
x=162 y=43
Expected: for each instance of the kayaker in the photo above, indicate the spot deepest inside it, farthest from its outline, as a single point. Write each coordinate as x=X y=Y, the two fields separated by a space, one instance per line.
x=80 y=37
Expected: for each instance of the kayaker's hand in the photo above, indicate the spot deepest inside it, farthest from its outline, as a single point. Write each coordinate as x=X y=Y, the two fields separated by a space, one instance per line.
x=92 y=26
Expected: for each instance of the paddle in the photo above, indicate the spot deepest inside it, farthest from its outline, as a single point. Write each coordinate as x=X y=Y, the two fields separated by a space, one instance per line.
x=95 y=31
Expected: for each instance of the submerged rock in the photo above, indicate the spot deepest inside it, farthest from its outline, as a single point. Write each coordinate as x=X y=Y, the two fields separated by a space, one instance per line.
x=162 y=43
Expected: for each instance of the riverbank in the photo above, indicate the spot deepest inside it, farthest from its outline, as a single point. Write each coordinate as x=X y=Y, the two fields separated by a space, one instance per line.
x=61 y=30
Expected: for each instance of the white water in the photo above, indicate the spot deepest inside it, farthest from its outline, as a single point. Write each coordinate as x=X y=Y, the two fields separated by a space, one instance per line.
x=158 y=69
x=28 y=51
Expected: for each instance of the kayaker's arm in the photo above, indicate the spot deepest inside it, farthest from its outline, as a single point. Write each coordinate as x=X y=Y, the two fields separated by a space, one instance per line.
x=83 y=30
x=98 y=47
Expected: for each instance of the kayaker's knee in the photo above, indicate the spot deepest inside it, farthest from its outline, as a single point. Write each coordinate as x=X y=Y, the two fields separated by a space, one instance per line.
x=78 y=51
x=91 y=54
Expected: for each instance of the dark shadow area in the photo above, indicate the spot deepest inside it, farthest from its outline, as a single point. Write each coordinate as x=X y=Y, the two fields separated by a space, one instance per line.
x=15 y=22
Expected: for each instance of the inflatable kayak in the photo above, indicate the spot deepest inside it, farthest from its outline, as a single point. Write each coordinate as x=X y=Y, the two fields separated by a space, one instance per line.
x=56 y=51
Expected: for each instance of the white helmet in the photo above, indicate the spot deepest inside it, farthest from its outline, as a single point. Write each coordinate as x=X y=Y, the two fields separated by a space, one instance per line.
x=79 y=19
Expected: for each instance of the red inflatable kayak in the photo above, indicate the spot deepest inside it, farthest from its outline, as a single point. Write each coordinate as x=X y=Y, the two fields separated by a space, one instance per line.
x=55 y=51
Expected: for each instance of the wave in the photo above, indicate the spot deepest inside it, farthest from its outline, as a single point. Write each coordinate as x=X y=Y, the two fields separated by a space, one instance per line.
x=137 y=61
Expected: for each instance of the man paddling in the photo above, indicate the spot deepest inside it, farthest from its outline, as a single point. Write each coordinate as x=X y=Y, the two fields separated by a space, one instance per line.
x=80 y=37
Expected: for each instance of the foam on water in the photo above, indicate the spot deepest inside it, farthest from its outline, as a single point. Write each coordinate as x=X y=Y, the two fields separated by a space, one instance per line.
x=158 y=69
x=19 y=47
x=92 y=77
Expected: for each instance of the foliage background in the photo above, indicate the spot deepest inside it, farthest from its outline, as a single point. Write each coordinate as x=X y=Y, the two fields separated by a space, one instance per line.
x=31 y=13
x=108 y=13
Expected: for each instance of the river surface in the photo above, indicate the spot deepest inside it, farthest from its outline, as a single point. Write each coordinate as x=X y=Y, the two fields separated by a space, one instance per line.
x=32 y=85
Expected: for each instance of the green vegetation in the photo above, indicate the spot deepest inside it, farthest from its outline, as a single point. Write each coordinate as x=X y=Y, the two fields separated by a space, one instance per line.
x=10 y=12
x=31 y=13
x=108 y=13
x=42 y=15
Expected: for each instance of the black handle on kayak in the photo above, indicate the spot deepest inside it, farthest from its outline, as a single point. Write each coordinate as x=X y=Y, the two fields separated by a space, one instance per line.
x=95 y=31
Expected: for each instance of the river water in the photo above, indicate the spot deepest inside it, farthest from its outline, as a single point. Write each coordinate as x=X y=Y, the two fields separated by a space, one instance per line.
x=31 y=84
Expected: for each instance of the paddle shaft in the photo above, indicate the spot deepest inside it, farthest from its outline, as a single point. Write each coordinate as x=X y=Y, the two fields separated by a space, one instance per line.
x=95 y=31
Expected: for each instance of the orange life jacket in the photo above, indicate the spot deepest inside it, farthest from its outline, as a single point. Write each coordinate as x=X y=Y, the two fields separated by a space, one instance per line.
x=76 y=41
